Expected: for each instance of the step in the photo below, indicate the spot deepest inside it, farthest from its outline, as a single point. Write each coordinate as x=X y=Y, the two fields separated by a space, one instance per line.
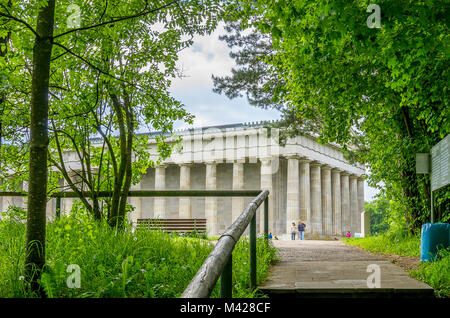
x=348 y=292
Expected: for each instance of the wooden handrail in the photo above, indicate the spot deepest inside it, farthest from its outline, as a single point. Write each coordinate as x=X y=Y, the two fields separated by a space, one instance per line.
x=220 y=257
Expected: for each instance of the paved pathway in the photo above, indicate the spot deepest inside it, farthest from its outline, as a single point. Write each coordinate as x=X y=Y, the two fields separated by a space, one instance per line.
x=331 y=268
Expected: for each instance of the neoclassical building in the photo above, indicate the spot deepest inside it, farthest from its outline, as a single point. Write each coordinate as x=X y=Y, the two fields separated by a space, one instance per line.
x=306 y=180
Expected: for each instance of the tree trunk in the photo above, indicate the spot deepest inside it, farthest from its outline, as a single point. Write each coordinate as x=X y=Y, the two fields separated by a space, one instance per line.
x=4 y=41
x=37 y=193
x=128 y=154
x=119 y=179
x=409 y=182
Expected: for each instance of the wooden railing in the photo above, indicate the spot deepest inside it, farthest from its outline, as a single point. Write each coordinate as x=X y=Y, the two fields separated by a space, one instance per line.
x=220 y=260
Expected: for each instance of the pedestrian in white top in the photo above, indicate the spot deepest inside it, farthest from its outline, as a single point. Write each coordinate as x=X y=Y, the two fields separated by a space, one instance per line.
x=293 y=231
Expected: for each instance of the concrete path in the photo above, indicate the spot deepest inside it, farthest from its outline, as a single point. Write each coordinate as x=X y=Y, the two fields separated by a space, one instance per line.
x=333 y=269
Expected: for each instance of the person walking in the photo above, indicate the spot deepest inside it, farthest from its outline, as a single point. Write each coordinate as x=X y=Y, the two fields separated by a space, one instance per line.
x=293 y=231
x=301 y=230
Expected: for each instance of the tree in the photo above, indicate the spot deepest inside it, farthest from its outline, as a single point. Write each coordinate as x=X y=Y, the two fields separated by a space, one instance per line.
x=383 y=90
x=37 y=193
x=256 y=77
x=378 y=210
x=86 y=56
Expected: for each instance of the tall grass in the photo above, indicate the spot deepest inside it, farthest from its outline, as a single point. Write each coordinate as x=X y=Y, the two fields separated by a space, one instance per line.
x=389 y=243
x=436 y=274
x=265 y=256
x=116 y=263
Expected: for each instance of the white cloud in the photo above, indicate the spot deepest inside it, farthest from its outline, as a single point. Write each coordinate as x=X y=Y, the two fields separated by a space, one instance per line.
x=207 y=56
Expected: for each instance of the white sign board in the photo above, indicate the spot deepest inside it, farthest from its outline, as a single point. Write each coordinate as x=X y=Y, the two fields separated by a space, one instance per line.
x=440 y=164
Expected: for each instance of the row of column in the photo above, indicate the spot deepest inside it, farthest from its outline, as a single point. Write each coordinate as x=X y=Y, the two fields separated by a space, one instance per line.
x=211 y=212
x=329 y=200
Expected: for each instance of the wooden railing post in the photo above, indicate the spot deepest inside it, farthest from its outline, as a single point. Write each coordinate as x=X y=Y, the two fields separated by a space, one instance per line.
x=266 y=218
x=253 y=253
x=226 y=279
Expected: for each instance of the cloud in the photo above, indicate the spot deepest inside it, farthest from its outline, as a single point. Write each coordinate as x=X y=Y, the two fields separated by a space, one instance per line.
x=208 y=55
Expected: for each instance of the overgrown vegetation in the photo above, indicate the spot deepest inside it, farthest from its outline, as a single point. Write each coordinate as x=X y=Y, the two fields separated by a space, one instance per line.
x=116 y=263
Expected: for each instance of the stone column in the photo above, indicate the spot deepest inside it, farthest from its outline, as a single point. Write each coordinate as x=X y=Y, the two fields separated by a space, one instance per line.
x=365 y=224
x=327 y=206
x=185 y=184
x=67 y=202
x=293 y=191
x=345 y=203
x=25 y=199
x=211 y=202
x=50 y=209
x=354 y=205
x=316 y=200
x=6 y=203
x=160 y=184
x=137 y=203
x=266 y=184
x=305 y=192
x=361 y=208
x=237 y=203
x=336 y=197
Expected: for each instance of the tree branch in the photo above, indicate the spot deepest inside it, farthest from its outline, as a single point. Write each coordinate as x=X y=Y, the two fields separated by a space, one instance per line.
x=20 y=21
x=116 y=20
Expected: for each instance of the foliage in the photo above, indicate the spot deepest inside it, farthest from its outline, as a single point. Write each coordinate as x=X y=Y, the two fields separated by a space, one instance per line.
x=14 y=214
x=378 y=215
x=380 y=93
x=116 y=263
x=262 y=82
x=110 y=77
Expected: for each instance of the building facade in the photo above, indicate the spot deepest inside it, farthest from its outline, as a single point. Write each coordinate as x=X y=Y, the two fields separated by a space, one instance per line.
x=306 y=180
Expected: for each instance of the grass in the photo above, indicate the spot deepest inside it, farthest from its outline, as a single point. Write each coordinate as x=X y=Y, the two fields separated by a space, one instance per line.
x=117 y=263
x=388 y=244
x=436 y=274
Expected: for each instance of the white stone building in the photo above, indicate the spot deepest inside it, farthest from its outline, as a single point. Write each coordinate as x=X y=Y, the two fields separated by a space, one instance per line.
x=306 y=180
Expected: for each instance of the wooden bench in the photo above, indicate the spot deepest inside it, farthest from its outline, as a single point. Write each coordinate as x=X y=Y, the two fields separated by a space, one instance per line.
x=173 y=225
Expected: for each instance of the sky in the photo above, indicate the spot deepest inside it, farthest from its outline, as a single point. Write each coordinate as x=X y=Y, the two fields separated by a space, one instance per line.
x=210 y=56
